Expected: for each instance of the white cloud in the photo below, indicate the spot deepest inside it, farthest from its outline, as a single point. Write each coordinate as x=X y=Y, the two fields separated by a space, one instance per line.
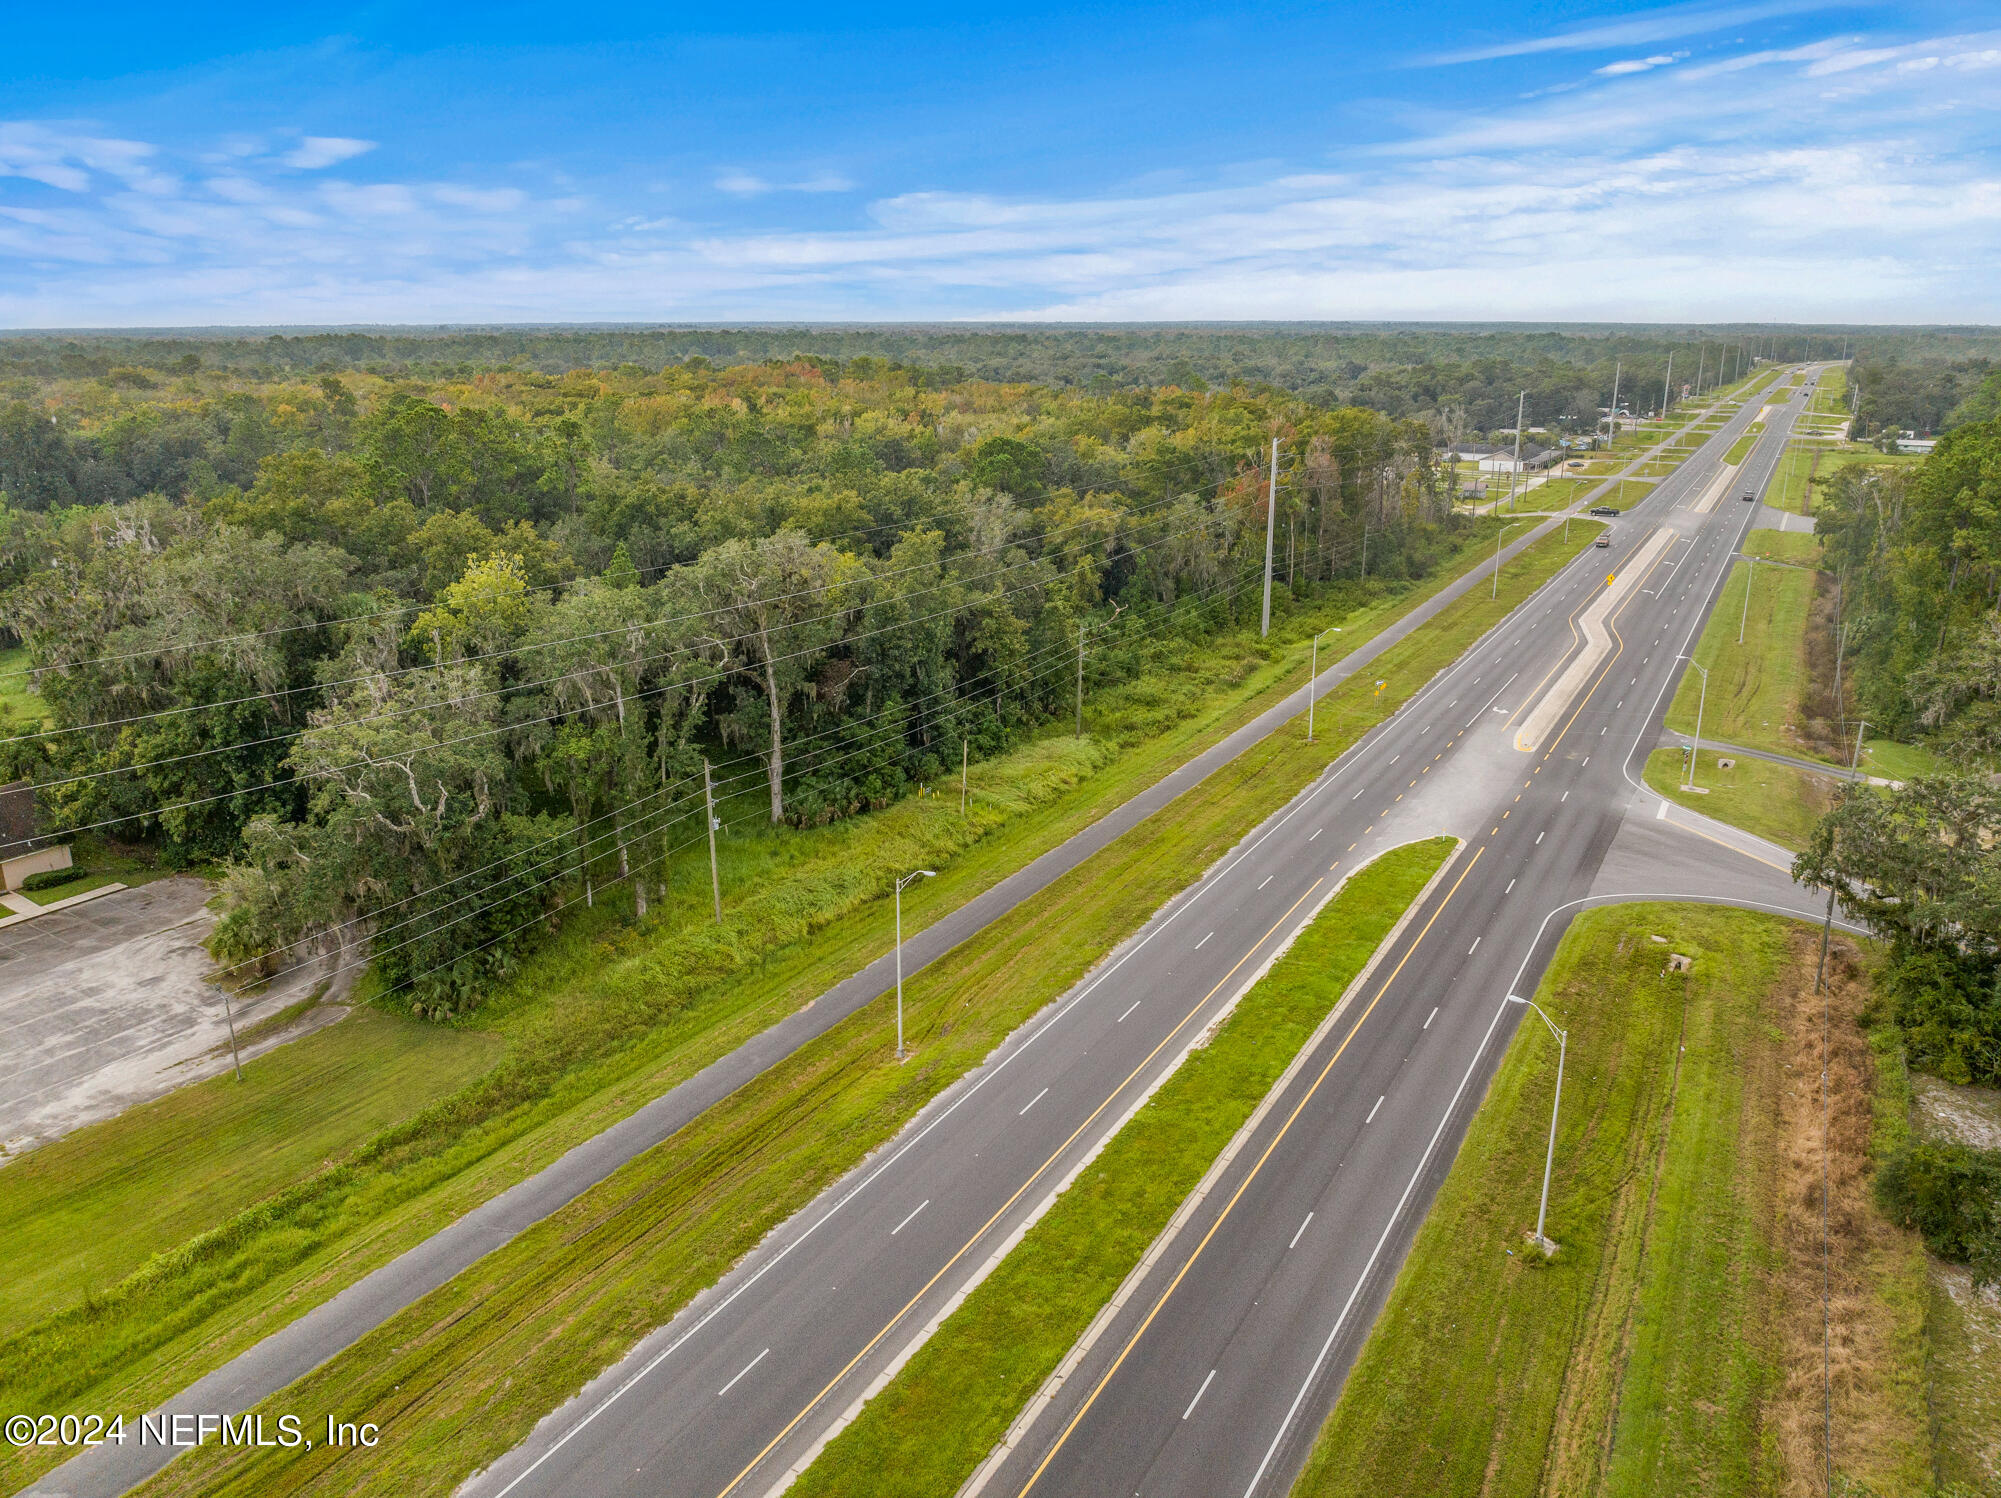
x=316 y=151
x=1639 y=64
x=1661 y=25
x=747 y=185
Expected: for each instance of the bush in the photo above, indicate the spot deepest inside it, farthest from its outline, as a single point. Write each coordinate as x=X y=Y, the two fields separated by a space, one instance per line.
x=50 y=878
x=1947 y=1008
x=1951 y=1193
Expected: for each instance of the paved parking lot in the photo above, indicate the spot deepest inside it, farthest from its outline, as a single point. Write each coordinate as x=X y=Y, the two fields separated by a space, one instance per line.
x=101 y=1006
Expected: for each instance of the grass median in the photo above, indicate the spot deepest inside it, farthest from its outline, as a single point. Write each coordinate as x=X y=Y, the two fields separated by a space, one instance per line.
x=1800 y=548
x=1673 y=1344
x=463 y=1374
x=1754 y=689
x=1779 y=802
x=932 y=1425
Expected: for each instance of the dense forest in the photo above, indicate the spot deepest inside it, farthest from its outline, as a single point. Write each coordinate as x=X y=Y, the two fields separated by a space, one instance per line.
x=404 y=656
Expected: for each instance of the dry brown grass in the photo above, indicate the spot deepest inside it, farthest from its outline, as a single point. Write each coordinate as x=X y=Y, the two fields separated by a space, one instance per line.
x=1874 y=1271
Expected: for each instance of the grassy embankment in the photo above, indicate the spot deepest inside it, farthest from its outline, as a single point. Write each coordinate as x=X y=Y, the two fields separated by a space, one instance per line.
x=20 y=707
x=1673 y=1344
x=1743 y=445
x=464 y=1374
x=1801 y=548
x=1754 y=688
x=607 y=1017
x=1778 y=802
x=937 y=1420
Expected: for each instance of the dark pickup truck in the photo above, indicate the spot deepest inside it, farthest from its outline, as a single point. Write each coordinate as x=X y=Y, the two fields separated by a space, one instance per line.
x=1604 y=510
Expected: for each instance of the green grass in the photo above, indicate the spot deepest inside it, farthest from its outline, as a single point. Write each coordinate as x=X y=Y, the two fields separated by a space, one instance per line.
x=607 y=1016
x=1633 y=1362
x=164 y=1170
x=1894 y=761
x=465 y=1373
x=1777 y=802
x=1754 y=688
x=82 y=884
x=934 y=1423
x=20 y=706
x=1740 y=448
x=1791 y=487
x=1801 y=548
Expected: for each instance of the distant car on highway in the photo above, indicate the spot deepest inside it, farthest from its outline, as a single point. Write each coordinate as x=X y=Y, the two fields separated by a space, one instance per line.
x=1748 y=497
x=1604 y=510
x=1603 y=541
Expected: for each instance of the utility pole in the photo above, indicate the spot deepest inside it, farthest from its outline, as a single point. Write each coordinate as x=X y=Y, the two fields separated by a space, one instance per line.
x=1271 y=520
x=709 y=816
x=1749 y=584
x=1701 y=361
x=1080 y=661
x=1667 y=385
x=1515 y=476
x=1365 y=542
x=963 y=752
x=1827 y=921
x=1495 y=592
x=230 y=1015
x=1313 y=677
x=1615 y=400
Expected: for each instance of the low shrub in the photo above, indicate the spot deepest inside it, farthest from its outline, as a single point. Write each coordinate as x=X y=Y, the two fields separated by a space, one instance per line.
x=50 y=878
x=1951 y=1193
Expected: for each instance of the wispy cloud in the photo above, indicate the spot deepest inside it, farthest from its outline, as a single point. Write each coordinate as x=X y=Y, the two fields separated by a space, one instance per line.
x=1639 y=64
x=316 y=151
x=1666 y=24
x=747 y=185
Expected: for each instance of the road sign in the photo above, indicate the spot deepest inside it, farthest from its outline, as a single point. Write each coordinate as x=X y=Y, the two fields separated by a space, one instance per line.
x=1608 y=579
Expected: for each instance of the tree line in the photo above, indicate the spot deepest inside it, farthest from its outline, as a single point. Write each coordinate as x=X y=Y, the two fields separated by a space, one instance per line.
x=408 y=659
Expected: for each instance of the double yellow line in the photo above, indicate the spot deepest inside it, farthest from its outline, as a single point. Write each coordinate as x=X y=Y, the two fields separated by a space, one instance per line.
x=1238 y=1194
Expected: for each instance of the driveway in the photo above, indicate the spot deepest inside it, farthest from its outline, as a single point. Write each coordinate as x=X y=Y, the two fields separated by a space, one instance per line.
x=102 y=1006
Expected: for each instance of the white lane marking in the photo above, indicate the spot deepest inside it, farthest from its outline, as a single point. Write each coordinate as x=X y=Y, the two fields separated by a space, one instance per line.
x=1510 y=889
x=1300 y=1234
x=1587 y=760
x=1563 y=798
x=1267 y=880
x=1539 y=837
x=1427 y=1023
x=1424 y=730
x=1203 y=942
x=746 y=1368
x=1198 y=1395
x=1032 y=1102
x=926 y=1202
x=1474 y=948
x=1395 y=757
x=1358 y=795
x=1661 y=815
x=1129 y=1009
x=1372 y=1112
x=1316 y=833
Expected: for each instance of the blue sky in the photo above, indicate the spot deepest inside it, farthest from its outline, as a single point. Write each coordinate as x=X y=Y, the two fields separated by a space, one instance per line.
x=1740 y=159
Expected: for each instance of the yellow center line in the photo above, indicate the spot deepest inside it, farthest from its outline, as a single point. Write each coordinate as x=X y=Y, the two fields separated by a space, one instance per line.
x=1005 y=1206
x=1245 y=1185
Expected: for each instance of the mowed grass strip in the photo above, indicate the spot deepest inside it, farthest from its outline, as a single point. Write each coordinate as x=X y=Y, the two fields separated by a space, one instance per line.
x=463 y=1375
x=933 y=1424
x=1801 y=548
x=90 y=1208
x=1779 y=802
x=1754 y=688
x=1631 y=1362
x=605 y=1017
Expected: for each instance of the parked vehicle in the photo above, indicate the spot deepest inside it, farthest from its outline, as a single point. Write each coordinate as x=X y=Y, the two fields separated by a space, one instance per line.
x=1604 y=510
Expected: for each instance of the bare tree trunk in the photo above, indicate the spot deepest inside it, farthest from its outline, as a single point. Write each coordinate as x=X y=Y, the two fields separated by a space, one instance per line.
x=775 y=766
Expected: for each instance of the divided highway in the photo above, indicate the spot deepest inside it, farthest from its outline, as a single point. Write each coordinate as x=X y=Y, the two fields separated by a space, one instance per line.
x=1225 y=1353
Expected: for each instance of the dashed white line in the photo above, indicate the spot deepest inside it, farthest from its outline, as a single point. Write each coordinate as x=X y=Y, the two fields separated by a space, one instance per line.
x=1474 y=948
x=1203 y=942
x=1539 y=838
x=1316 y=833
x=1428 y=1019
x=1301 y=1233
x=1024 y=1109
x=1510 y=889
x=1267 y=880
x=752 y=1363
x=1372 y=1112
x=1198 y=1395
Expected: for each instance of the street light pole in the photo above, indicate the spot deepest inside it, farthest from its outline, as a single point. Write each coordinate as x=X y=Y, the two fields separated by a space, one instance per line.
x=1549 y=1157
x=906 y=879
x=1514 y=477
x=1749 y=583
x=1313 y=677
x=1495 y=591
x=1699 y=704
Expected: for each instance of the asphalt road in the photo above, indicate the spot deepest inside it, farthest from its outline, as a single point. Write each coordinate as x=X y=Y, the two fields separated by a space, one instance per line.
x=324 y=1331
x=1216 y=1369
